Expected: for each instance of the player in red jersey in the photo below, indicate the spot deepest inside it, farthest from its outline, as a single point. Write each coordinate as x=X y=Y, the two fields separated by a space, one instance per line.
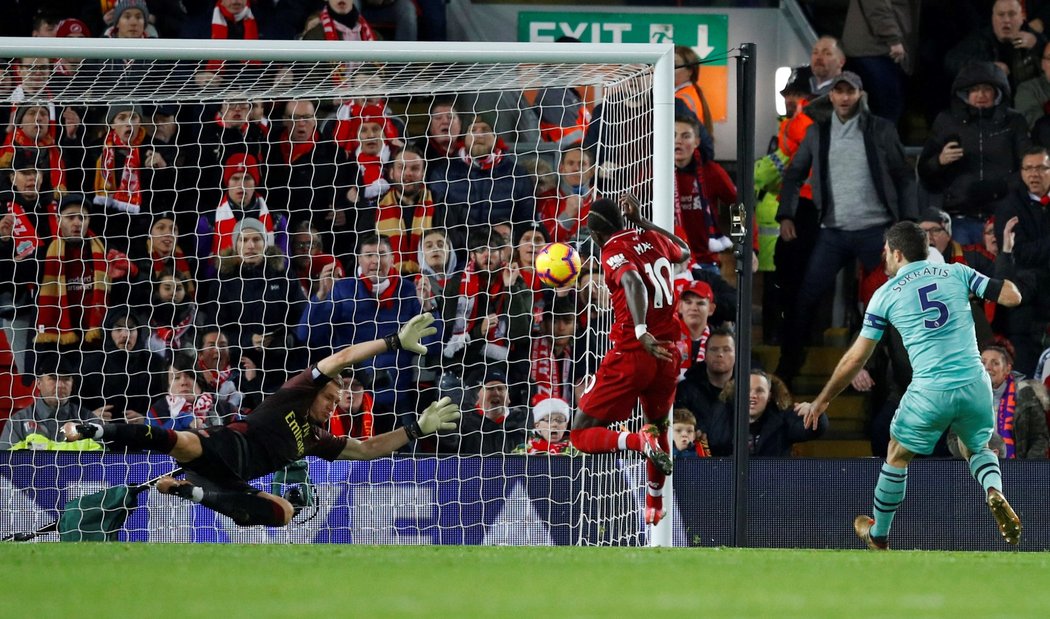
x=643 y=363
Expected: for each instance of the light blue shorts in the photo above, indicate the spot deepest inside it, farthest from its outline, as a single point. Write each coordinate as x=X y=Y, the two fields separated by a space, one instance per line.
x=924 y=414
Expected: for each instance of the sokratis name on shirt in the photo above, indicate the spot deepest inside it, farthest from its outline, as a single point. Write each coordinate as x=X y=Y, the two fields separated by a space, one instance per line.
x=931 y=271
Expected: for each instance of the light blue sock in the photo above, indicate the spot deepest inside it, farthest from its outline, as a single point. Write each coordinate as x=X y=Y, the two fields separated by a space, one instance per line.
x=889 y=494
x=984 y=466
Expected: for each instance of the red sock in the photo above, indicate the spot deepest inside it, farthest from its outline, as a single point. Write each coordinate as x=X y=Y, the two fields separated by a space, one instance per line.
x=598 y=440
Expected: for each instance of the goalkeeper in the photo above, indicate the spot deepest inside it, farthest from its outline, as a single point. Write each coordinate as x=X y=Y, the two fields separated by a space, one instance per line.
x=285 y=427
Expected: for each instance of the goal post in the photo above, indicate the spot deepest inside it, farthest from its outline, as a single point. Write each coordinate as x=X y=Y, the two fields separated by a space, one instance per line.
x=600 y=498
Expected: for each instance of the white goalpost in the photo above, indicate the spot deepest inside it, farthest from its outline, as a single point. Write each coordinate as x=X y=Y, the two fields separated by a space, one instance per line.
x=303 y=148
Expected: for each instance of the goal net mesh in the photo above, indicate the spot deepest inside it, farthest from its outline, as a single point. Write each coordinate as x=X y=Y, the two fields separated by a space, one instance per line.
x=180 y=237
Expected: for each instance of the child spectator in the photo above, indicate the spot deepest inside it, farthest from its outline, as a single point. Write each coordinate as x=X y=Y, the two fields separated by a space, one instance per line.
x=171 y=315
x=185 y=405
x=550 y=421
x=686 y=443
x=353 y=414
x=308 y=259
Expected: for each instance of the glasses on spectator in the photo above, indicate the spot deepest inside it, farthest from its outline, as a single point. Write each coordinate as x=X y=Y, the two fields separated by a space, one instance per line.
x=932 y=231
x=301 y=119
x=1035 y=168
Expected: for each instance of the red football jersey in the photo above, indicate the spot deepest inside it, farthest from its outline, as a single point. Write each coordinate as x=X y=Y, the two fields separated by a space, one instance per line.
x=653 y=256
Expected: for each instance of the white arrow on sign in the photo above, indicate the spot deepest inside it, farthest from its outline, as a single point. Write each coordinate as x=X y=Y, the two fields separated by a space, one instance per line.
x=702 y=48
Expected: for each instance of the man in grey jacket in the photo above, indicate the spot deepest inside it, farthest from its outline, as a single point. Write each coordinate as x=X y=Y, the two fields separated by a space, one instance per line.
x=862 y=184
x=53 y=406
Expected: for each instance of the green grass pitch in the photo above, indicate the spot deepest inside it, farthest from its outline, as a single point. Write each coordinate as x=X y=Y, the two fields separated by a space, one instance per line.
x=219 y=581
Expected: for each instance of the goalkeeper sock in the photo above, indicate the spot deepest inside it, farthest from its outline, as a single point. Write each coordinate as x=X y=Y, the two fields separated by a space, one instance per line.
x=889 y=494
x=984 y=466
x=599 y=440
x=137 y=437
x=246 y=509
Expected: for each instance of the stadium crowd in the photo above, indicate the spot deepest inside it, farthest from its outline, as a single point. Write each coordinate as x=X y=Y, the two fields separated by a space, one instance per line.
x=173 y=264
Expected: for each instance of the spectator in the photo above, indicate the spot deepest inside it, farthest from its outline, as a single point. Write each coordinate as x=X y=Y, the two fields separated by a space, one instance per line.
x=34 y=84
x=233 y=390
x=309 y=259
x=862 y=184
x=302 y=170
x=699 y=391
x=938 y=227
x=253 y=292
x=367 y=147
x=124 y=377
x=66 y=72
x=550 y=429
x=493 y=426
x=529 y=239
x=130 y=21
x=553 y=361
x=685 y=442
x=396 y=19
x=185 y=405
x=241 y=200
x=34 y=135
x=172 y=314
x=974 y=150
x=882 y=44
x=1033 y=94
x=406 y=211
x=696 y=303
x=367 y=306
x=687 y=85
x=826 y=61
x=483 y=185
x=45 y=23
x=695 y=220
x=774 y=426
x=1023 y=233
x=444 y=137
x=230 y=20
x=492 y=311
x=74 y=282
x=564 y=208
x=340 y=21
x=40 y=423
x=1019 y=415
x=437 y=262
x=352 y=113
x=353 y=414
x=1010 y=43
x=161 y=254
x=563 y=113
x=230 y=132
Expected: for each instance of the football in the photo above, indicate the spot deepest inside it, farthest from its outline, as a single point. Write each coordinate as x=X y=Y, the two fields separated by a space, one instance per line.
x=557 y=265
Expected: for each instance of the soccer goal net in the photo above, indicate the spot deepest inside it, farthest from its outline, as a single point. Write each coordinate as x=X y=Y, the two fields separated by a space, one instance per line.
x=187 y=224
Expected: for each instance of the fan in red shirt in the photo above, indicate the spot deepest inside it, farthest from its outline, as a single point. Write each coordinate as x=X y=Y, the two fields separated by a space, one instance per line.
x=638 y=271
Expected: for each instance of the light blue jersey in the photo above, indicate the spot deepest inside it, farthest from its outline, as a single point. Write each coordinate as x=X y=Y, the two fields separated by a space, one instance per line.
x=929 y=304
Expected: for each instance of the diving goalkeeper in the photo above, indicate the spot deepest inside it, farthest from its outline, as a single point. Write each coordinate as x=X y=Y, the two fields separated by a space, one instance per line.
x=284 y=428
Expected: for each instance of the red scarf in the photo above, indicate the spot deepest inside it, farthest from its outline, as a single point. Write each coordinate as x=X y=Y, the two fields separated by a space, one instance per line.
x=349 y=118
x=226 y=220
x=334 y=31
x=543 y=446
x=551 y=206
x=121 y=189
x=341 y=423
x=292 y=151
x=214 y=378
x=23 y=232
x=487 y=162
x=54 y=316
x=176 y=263
x=371 y=166
x=56 y=167
x=550 y=371
x=386 y=296
x=685 y=347
x=467 y=306
x=311 y=273
x=390 y=222
x=1004 y=418
x=220 y=29
x=171 y=335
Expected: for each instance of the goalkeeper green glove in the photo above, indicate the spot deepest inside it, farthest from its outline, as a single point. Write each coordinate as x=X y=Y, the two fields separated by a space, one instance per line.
x=415 y=330
x=440 y=415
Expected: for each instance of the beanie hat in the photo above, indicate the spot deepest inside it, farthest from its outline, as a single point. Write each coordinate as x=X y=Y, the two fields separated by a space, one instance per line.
x=937 y=216
x=21 y=110
x=72 y=27
x=117 y=108
x=238 y=163
x=249 y=223
x=124 y=5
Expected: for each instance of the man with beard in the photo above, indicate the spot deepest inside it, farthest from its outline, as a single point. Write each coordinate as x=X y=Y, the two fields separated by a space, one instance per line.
x=406 y=211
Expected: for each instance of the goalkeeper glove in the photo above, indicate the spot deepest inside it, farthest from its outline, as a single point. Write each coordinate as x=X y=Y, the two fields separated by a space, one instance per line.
x=413 y=331
x=440 y=415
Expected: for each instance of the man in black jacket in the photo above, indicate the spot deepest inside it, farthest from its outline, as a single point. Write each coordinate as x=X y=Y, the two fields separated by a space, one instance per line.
x=862 y=184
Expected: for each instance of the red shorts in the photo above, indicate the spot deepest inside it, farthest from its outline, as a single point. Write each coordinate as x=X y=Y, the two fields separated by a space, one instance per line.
x=627 y=376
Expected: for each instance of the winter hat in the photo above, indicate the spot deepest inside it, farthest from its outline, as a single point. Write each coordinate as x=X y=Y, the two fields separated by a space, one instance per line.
x=546 y=408
x=78 y=199
x=21 y=110
x=124 y=5
x=848 y=77
x=937 y=216
x=240 y=162
x=249 y=223
x=72 y=27
x=117 y=108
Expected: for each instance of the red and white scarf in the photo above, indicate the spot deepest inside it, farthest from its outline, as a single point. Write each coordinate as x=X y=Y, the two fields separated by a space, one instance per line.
x=470 y=286
x=293 y=151
x=385 y=290
x=215 y=379
x=335 y=31
x=54 y=316
x=171 y=335
x=487 y=162
x=56 y=167
x=220 y=29
x=120 y=189
x=26 y=238
x=550 y=371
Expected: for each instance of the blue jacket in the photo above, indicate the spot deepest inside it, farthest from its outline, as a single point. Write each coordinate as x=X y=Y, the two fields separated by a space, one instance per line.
x=351 y=315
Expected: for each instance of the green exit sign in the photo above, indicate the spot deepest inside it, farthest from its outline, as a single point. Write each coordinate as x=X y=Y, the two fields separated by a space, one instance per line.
x=708 y=34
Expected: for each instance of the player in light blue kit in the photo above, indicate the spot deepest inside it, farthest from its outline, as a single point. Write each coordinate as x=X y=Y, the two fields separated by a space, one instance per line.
x=929 y=305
